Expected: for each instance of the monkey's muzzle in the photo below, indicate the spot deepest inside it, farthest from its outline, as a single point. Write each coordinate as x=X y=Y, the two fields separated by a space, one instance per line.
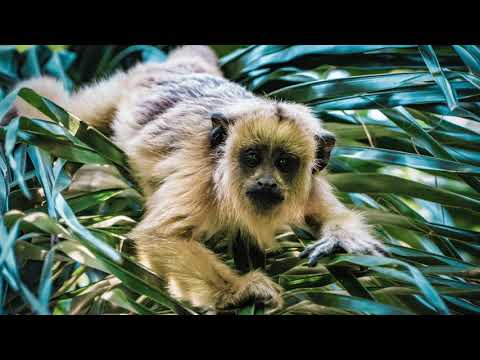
x=265 y=198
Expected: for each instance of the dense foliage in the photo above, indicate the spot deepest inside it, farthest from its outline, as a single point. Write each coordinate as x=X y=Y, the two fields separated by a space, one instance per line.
x=407 y=120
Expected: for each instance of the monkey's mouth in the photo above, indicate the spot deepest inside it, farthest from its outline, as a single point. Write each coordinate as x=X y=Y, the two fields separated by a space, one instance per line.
x=265 y=199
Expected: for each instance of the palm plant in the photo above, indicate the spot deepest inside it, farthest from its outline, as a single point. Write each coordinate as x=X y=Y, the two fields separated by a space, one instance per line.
x=407 y=120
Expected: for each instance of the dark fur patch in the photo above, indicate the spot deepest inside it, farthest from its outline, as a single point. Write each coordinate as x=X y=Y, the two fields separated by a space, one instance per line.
x=247 y=254
x=312 y=223
x=150 y=109
x=212 y=91
x=280 y=113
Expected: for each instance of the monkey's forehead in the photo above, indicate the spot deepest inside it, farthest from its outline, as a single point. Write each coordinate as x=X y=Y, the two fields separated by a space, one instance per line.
x=272 y=133
x=260 y=109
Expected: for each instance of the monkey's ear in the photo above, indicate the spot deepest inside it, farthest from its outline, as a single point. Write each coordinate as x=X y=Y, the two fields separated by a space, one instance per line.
x=325 y=144
x=219 y=120
x=219 y=129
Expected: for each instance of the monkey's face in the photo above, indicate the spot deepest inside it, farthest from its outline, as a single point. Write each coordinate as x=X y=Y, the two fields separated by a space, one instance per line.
x=267 y=172
x=266 y=163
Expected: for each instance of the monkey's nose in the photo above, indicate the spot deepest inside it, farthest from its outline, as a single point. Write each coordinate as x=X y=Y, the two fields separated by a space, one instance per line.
x=267 y=182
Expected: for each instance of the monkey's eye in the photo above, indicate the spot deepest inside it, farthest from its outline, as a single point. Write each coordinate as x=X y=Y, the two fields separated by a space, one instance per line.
x=286 y=163
x=251 y=158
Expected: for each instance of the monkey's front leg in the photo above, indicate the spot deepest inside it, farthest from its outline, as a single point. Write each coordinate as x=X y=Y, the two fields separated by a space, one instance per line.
x=341 y=228
x=195 y=274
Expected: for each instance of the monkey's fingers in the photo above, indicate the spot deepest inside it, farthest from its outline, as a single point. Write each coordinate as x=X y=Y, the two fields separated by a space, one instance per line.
x=307 y=250
x=319 y=248
x=310 y=248
x=256 y=288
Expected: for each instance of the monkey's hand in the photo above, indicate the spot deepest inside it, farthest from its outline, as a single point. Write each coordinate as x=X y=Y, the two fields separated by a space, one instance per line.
x=348 y=237
x=252 y=287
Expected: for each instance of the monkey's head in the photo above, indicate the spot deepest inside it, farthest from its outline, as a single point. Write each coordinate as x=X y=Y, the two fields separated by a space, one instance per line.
x=267 y=153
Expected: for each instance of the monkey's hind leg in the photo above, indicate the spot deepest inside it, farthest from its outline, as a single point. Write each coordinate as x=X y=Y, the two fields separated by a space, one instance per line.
x=195 y=274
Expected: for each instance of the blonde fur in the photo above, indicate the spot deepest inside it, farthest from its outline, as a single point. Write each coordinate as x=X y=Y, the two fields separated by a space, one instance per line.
x=159 y=114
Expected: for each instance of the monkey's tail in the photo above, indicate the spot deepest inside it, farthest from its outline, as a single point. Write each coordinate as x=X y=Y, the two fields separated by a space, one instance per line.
x=95 y=104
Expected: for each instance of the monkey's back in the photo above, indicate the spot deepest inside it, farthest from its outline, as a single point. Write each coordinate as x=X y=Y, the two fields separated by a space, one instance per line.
x=166 y=102
x=164 y=110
